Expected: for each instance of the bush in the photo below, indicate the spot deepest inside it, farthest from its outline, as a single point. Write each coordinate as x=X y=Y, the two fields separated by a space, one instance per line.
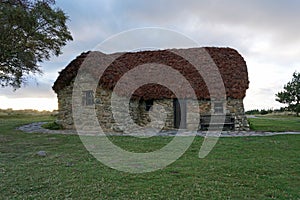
x=52 y=126
x=263 y=112
x=251 y=126
x=253 y=112
x=259 y=112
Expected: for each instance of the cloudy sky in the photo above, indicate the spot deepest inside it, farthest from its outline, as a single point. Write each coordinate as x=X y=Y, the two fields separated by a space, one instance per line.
x=265 y=32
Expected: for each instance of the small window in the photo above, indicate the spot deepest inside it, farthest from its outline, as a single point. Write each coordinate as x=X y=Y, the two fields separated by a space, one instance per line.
x=149 y=104
x=88 y=98
x=218 y=107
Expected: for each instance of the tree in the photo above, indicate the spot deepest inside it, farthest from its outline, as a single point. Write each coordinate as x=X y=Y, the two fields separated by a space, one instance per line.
x=31 y=32
x=291 y=94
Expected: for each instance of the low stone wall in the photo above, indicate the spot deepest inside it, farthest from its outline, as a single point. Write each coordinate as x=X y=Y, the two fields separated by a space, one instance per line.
x=160 y=116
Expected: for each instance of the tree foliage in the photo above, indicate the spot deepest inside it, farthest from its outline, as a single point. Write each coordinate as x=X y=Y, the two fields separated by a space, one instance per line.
x=31 y=32
x=291 y=94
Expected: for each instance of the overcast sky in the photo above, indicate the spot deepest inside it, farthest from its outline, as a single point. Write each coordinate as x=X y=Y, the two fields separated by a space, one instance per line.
x=265 y=32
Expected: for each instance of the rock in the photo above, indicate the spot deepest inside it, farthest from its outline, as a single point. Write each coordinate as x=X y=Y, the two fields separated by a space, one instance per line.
x=42 y=153
x=69 y=164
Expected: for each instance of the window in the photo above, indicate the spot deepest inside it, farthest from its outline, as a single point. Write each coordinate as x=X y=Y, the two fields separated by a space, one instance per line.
x=218 y=107
x=149 y=104
x=88 y=98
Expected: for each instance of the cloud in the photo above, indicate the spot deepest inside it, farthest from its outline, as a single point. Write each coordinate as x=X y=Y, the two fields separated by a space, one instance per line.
x=28 y=103
x=265 y=32
x=268 y=28
x=32 y=90
x=278 y=17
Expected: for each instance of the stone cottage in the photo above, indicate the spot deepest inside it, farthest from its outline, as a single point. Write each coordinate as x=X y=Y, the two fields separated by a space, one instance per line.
x=178 y=112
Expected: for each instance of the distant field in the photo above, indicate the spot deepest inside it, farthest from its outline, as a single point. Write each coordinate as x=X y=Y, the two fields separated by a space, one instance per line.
x=237 y=168
x=274 y=123
x=27 y=112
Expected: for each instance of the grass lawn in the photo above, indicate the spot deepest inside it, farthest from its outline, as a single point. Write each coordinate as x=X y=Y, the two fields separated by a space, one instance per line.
x=274 y=123
x=237 y=168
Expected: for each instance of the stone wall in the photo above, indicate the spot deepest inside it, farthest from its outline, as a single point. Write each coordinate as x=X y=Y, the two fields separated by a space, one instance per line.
x=65 y=117
x=108 y=118
x=160 y=116
x=236 y=108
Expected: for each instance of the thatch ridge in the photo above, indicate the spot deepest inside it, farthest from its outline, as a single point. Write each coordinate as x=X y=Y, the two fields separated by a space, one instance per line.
x=230 y=63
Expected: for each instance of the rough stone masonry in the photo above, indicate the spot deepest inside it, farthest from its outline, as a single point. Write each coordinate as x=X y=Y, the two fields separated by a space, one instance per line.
x=229 y=62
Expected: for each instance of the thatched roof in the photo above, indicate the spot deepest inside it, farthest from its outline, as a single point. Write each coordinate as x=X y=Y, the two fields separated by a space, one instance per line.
x=230 y=63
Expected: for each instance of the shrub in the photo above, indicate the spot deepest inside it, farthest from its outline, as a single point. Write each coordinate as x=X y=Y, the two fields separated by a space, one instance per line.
x=52 y=126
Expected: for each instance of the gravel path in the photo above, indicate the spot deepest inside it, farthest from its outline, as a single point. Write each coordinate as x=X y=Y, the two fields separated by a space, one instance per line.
x=37 y=128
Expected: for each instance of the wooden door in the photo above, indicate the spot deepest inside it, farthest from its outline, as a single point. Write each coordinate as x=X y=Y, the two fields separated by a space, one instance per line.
x=179 y=106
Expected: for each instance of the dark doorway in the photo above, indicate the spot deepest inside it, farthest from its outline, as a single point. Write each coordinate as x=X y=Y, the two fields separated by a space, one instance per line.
x=179 y=113
x=149 y=104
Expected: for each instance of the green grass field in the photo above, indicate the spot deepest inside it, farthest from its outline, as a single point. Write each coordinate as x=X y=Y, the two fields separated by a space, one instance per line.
x=275 y=123
x=237 y=168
